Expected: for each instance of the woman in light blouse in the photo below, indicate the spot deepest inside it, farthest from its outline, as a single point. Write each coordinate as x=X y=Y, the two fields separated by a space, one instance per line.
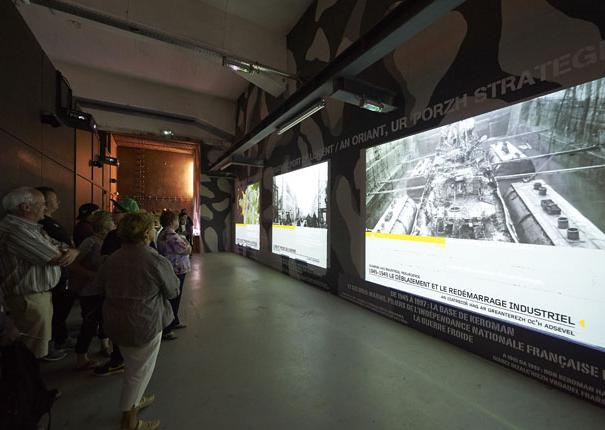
x=176 y=249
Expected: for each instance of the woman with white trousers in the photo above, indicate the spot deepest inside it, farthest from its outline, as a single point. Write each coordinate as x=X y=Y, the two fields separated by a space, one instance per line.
x=138 y=283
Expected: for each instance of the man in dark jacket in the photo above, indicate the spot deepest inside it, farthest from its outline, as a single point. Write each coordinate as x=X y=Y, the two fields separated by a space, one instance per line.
x=188 y=225
x=62 y=298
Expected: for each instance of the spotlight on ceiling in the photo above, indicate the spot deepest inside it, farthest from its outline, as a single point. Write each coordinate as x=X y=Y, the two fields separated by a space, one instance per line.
x=167 y=133
x=315 y=107
x=370 y=105
x=365 y=95
x=238 y=65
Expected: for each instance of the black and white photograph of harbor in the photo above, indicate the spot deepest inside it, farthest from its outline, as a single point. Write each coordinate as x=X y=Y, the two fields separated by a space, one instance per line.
x=530 y=173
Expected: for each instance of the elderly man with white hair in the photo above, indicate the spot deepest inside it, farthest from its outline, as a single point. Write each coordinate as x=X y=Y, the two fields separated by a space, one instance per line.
x=30 y=264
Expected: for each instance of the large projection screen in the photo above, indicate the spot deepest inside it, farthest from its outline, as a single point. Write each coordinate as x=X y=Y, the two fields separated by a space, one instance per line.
x=247 y=215
x=300 y=226
x=502 y=214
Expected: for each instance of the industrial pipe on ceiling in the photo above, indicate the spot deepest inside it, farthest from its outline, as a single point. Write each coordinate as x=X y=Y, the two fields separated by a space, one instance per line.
x=212 y=53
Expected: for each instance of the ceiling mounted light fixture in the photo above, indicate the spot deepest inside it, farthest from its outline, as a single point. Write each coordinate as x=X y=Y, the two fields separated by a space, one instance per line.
x=167 y=133
x=365 y=95
x=238 y=65
x=315 y=107
x=370 y=105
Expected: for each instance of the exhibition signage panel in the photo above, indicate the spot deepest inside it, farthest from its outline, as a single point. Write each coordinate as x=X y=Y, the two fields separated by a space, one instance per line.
x=300 y=229
x=552 y=290
x=571 y=367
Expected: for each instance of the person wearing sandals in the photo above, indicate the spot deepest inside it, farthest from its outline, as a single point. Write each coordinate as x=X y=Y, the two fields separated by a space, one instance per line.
x=176 y=249
x=137 y=282
x=84 y=271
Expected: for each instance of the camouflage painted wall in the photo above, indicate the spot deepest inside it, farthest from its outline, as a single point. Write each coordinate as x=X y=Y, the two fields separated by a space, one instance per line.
x=484 y=55
x=215 y=206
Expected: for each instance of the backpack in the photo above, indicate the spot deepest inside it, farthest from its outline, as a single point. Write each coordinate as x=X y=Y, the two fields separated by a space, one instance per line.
x=24 y=398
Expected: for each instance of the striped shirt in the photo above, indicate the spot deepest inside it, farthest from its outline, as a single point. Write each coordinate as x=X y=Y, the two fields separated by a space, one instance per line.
x=25 y=250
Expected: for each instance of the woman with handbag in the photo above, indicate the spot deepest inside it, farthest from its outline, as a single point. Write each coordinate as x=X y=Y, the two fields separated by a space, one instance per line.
x=138 y=283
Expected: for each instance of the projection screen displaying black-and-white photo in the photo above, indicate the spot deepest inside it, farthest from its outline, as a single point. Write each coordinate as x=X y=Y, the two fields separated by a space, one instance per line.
x=502 y=214
x=300 y=226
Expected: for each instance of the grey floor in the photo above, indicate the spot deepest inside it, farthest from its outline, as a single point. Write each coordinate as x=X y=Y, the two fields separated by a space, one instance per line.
x=263 y=351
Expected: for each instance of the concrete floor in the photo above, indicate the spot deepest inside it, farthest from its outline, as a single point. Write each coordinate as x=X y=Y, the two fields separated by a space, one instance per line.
x=264 y=351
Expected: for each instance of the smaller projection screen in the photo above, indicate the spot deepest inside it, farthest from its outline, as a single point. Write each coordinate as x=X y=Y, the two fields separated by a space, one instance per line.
x=247 y=215
x=300 y=228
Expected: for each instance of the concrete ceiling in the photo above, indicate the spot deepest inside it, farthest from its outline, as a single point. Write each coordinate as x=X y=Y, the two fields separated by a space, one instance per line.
x=73 y=40
x=278 y=16
x=253 y=30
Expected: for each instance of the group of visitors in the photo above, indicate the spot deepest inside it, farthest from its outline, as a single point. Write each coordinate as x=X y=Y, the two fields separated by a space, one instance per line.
x=128 y=280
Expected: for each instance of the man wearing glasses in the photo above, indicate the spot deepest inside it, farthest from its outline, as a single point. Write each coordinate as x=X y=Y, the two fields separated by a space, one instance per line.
x=30 y=263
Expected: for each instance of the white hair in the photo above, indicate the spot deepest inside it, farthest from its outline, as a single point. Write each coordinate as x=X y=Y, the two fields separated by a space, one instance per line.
x=18 y=196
